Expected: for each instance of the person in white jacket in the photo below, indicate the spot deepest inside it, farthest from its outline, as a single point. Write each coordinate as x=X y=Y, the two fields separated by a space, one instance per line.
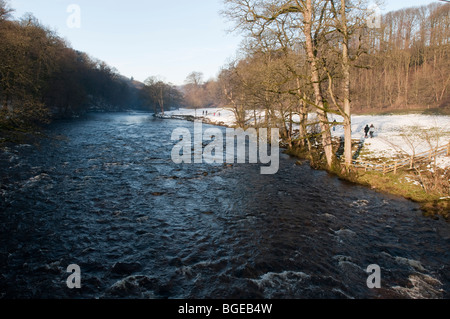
x=372 y=131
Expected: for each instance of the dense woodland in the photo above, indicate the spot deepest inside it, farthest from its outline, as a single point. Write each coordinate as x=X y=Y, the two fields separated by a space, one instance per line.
x=43 y=78
x=407 y=64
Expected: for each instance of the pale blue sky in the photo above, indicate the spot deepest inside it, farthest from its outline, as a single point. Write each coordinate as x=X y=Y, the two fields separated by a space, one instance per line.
x=146 y=38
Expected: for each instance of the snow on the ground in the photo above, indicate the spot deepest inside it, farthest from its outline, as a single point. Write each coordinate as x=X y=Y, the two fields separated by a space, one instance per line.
x=214 y=115
x=395 y=135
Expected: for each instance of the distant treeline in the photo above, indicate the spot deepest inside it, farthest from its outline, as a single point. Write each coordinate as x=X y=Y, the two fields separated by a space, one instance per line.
x=43 y=78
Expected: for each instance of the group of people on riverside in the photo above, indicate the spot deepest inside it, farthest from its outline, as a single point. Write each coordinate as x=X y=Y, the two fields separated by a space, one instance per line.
x=206 y=113
x=369 y=130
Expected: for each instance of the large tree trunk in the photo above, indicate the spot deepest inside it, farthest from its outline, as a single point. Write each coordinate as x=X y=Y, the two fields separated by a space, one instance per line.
x=346 y=79
x=313 y=63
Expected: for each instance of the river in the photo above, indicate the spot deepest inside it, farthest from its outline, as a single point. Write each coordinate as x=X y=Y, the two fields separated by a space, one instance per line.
x=104 y=194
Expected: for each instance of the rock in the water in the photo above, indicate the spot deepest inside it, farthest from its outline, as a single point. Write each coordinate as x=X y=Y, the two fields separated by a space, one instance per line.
x=158 y=193
x=126 y=268
x=411 y=262
x=132 y=286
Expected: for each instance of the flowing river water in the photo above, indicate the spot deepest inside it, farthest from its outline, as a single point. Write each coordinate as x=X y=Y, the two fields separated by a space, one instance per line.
x=106 y=196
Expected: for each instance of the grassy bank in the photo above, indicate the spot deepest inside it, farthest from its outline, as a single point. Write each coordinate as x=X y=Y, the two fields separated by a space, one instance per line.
x=433 y=202
x=430 y=192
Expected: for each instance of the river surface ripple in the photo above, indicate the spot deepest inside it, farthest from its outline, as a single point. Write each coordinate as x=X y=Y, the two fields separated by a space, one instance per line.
x=107 y=197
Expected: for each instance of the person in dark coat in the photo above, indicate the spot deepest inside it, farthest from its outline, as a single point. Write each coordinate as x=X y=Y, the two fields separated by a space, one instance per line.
x=366 y=130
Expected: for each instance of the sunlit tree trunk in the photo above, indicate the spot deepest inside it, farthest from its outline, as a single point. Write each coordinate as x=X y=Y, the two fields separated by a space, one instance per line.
x=315 y=79
x=346 y=81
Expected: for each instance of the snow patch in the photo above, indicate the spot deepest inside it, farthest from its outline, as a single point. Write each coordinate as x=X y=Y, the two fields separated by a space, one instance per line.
x=395 y=135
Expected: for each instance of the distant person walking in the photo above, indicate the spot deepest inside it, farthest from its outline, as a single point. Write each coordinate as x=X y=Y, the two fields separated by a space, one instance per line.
x=366 y=130
x=372 y=131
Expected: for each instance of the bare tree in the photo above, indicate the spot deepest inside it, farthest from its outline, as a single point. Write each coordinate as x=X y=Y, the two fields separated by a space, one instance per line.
x=195 y=78
x=259 y=18
x=233 y=97
x=195 y=91
x=159 y=93
x=5 y=10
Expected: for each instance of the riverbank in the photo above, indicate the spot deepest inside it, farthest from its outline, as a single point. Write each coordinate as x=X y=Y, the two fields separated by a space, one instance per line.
x=396 y=136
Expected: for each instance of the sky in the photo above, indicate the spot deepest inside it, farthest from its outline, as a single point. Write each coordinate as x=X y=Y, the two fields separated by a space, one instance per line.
x=143 y=38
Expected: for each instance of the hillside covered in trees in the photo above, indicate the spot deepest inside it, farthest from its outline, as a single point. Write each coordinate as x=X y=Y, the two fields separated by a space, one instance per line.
x=43 y=78
x=407 y=64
